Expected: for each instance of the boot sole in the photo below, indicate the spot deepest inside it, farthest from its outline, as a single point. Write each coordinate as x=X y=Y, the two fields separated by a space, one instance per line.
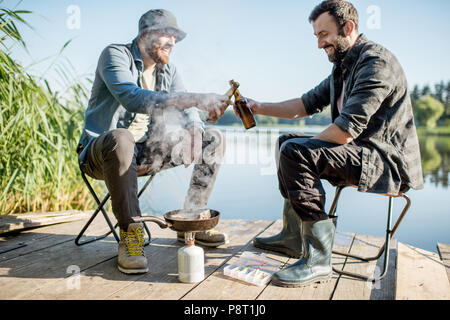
x=287 y=252
x=317 y=280
x=132 y=271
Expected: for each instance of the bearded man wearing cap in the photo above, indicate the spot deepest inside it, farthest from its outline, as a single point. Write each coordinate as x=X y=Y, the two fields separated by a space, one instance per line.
x=137 y=100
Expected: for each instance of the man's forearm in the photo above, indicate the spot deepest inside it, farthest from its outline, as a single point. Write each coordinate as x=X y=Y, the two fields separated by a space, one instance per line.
x=334 y=134
x=290 y=109
x=183 y=100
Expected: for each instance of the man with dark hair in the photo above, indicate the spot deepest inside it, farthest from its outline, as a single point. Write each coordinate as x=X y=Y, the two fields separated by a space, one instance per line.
x=372 y=142
x=342 y=11
x=140 y=119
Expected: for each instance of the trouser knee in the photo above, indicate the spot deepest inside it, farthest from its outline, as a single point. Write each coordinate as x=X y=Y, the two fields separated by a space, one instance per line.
x=281 y=139
x=294 y=169
x=119 y=146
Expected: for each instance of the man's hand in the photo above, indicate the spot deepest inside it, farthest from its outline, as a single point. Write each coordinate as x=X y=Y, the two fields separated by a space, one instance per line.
x=192 y=146
x=215 y=105
x=252 y=104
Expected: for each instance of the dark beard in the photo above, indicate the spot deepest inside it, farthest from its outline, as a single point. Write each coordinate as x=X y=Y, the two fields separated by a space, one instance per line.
x=340 y=49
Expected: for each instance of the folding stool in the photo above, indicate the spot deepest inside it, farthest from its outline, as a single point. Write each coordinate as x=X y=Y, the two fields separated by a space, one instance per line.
x=389 y=234
x=100 y=208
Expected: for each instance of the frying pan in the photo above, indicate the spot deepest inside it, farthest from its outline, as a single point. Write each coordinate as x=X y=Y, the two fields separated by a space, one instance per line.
x=172 y=221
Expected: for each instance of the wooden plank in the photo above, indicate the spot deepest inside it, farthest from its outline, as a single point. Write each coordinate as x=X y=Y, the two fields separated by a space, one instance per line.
x=99 y=280
x=40 y=269
x=421 y=275
x=45 y=273
x=386 y=288
x=29 y=272
x=17 y=222
x=165 y=284
x=444 y=253
x=47 y=236
x=349 y=288
x=104 y=281
x=322 y=291
x=218 y=286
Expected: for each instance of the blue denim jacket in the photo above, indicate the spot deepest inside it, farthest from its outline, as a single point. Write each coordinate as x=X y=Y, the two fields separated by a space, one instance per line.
x=117 y=93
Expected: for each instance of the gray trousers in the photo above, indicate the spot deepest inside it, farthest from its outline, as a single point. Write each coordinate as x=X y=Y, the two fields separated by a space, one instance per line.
x=303 y=161
x=115 y=158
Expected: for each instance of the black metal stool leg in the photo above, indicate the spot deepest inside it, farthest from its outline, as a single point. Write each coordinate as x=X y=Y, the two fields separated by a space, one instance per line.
x=386 y=246
x=111 y=227
x=335 y=201
x=105 y=215
x=147 y=183
x=147 y=242
x=94 y=215
x=100 y=205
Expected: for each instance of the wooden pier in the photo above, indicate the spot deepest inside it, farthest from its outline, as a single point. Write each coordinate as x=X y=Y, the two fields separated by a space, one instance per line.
x=44 y=263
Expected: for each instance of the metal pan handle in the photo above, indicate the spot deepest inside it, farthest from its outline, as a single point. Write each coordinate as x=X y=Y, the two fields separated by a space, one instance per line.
x=160 y=222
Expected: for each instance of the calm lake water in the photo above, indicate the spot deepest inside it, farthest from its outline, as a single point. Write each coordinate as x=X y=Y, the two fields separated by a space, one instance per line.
x=247 y=188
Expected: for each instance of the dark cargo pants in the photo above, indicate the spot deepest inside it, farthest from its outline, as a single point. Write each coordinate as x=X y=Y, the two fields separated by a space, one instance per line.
x=115 y=158
x=303 y=161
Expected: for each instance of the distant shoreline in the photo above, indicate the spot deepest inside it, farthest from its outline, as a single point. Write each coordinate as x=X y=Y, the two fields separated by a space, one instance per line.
x=280 y=128
x=422 y=131
x=438 y=131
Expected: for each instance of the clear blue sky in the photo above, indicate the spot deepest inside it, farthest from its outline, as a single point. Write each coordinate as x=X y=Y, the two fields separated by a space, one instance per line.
x=268 y=46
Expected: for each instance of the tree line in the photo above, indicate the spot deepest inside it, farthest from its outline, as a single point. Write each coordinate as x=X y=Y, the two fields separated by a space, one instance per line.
x=431 y=106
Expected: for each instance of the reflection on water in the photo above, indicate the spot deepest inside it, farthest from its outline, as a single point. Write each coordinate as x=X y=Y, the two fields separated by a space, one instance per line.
x=435 y=153
x=247 y=188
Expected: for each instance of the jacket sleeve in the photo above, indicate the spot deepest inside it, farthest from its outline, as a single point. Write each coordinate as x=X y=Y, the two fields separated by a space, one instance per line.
x=318 y=98
x=374 y=80
x=114 y=69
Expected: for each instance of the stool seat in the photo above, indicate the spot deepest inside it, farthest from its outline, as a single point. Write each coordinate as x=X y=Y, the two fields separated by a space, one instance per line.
x=400 y=194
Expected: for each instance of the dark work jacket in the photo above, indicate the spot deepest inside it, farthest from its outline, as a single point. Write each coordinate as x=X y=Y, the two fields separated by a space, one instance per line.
x=377 y=113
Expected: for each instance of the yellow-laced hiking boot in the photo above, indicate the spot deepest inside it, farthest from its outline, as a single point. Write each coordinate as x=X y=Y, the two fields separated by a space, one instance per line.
x=208 y=238
x=131 y=258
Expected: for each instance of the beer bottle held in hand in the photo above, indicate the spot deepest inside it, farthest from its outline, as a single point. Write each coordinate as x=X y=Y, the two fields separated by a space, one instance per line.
x=244 y=111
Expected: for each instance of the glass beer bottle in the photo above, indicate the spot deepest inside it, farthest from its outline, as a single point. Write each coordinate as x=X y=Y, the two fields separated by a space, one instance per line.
x=244 y=111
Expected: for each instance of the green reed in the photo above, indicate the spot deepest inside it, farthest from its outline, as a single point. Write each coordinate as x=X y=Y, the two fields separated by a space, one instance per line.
x=39 y=130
